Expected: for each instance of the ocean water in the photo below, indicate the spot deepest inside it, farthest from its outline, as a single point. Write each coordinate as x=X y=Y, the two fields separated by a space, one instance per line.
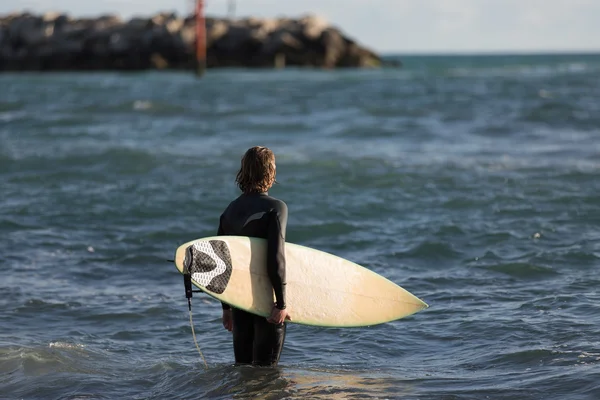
x=471 y=181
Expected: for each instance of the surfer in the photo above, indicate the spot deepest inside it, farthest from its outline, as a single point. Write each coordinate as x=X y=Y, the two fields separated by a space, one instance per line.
x=258 y=340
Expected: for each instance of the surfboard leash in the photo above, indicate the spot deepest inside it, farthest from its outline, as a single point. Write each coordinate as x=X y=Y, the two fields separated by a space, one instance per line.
x=196 y=342
x=187 y=283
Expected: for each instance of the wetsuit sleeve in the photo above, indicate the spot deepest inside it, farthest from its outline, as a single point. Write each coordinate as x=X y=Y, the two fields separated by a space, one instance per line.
x=221 y=232
x=276 y=253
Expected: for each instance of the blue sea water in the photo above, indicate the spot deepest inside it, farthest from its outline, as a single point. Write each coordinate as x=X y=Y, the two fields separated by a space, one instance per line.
x=471 y=181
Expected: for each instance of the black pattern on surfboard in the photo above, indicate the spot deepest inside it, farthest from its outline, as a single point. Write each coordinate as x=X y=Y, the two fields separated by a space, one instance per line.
x=209 y=264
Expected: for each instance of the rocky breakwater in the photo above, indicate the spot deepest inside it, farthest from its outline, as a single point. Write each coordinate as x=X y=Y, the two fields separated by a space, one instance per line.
x=54 y=42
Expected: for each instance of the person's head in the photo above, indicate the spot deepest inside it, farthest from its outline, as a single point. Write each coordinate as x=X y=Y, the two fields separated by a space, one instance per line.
x=257 y=171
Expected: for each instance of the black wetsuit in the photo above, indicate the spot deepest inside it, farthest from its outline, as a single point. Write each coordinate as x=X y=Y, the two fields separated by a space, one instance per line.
x=256 y=341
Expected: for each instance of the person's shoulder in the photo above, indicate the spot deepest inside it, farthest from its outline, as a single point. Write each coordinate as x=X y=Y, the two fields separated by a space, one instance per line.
x=231 y=204
x=277 y=200
x=279 y=204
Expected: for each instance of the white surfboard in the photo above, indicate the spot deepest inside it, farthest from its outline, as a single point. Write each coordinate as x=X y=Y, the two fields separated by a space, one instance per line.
x=322 y=289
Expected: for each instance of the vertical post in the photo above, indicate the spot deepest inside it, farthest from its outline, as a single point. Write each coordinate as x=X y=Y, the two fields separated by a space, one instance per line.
x=279 y=60
x=200 y=39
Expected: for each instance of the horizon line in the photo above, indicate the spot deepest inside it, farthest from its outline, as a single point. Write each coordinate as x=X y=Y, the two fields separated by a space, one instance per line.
x=484 y=52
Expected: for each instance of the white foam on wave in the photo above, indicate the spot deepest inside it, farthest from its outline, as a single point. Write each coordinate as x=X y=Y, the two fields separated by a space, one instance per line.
x=524 y=70
x=8 y=116
x=142 y=105
x=64 y=345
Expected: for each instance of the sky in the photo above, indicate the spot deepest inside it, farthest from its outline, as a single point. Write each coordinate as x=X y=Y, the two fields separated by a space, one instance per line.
x=394 y=26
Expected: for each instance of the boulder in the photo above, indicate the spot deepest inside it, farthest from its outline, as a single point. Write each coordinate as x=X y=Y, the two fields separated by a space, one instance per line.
x=313 y=26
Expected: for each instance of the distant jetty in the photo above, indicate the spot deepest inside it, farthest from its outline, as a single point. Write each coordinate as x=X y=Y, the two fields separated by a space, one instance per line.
x=58 y=42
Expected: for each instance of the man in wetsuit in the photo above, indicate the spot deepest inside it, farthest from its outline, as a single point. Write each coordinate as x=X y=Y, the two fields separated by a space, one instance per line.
x=258 y=340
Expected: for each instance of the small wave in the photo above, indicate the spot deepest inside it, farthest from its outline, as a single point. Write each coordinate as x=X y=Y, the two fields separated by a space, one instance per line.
x=462 y=203
x=430 y=251
x=58 y=356
x=450 y=230
x=578 y=257
x=82 y=161
x=493 y=239
x=38 y=306
x=9 y=116
x=588 y=357
x=128 y=335
x=323 y=229
x=549 y=112
x=554 y=356
x=523 y=270
x=130 y=107
x=15 y=105
x=578 y=303
x=525 y=357
x=113 y=317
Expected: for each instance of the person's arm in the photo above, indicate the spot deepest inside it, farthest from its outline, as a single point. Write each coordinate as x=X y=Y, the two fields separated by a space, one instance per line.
x=276 y=253
x=276 y=262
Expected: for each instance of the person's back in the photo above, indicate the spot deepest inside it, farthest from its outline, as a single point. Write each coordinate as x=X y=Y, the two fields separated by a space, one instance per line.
x=254 y=213
x=250 y=214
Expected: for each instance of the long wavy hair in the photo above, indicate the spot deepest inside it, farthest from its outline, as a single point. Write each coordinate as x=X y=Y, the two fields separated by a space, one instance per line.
x=257 y=171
